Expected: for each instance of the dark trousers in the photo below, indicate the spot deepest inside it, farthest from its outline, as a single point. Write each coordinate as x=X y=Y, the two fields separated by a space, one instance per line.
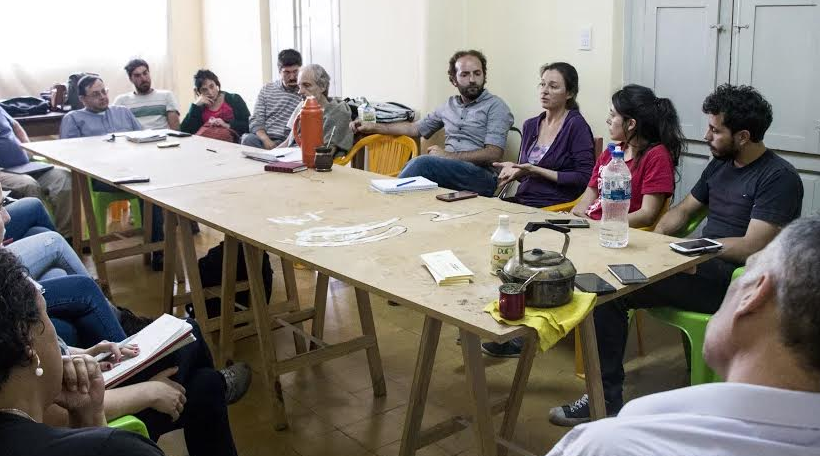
x=204 y=419
x=701 y=292
x=157 y=233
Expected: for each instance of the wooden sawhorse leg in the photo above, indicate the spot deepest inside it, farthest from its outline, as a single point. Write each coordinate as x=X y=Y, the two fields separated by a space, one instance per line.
x=421 y=383
x=374 y=359
x=592 y=366
x=77 y=180
x=93 y=235
x=477 y=386
x=227 y=297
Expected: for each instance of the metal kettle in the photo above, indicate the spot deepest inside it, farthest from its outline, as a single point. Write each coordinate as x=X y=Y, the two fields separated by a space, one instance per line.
x=554 y=273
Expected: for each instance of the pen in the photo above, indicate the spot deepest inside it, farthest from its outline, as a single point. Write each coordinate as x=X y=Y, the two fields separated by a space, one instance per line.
x=102 y=356
x=281 y=156
x=211 y=150
x=405 y=183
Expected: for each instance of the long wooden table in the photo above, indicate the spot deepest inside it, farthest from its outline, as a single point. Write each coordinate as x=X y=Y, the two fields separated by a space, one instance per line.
x=240 y=206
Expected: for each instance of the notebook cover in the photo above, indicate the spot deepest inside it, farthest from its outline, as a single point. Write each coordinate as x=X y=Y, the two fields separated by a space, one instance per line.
x=285 y=167
x=29 y=168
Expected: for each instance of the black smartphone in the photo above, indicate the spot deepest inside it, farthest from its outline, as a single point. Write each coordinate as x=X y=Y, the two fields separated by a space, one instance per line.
x=570 y=223
x=627 y=274
x=132 y=180
x=456 y=196
x=593 y=283
x=178 y=134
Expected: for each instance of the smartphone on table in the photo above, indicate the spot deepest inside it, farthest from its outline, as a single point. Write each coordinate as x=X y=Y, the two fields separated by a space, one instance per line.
x=627 y=274
x=696 y=246
x=456 y=196
x=593 y=283
x=178 y=134
x=570 y=223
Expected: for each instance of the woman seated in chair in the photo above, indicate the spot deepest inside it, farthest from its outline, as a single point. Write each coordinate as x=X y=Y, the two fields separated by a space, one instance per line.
x=556 y=155
x=649 y=133
x=215 y=113
x=33 y=377
x=30 y=217
x=314 y=81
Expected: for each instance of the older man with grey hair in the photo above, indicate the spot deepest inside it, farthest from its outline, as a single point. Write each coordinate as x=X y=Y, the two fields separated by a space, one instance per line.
x=765 y=341
x=314 y=81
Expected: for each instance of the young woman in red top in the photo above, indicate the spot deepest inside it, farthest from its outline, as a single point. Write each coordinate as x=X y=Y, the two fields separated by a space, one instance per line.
x=649 y=133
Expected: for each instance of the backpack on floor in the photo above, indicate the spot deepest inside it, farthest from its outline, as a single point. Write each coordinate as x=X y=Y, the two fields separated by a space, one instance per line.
x=210 y=271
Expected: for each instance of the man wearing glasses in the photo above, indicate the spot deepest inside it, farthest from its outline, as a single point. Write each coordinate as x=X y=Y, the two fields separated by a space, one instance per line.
x=98 y=118
x=274 y=105
x=51 y=185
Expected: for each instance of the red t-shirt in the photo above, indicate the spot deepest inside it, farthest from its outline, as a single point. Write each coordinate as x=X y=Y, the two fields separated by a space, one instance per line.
x=224 y=112
x=655 y=174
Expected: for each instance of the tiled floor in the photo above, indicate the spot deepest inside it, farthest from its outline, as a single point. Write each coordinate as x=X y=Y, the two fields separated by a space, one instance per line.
x=331 y=407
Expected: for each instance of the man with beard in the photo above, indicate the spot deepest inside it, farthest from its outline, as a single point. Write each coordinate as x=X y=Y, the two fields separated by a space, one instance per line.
x=475 y=125
x=749 y=194
x=154 y=109
x=275 y=103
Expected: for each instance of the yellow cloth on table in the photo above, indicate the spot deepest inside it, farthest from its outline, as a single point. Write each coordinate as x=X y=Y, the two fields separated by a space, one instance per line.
x=554 y=323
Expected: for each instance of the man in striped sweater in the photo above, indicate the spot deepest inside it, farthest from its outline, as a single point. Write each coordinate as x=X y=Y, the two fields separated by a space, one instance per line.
x=275 y=104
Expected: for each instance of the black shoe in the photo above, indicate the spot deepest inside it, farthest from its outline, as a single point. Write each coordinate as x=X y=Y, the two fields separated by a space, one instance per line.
x=577 y=412
x=132 y=323
x=157 y=261
x=237 y=381
x=511 y=349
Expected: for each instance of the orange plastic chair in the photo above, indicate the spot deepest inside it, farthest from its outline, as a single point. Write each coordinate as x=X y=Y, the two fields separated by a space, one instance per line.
x=562 y=207
x=386 y=154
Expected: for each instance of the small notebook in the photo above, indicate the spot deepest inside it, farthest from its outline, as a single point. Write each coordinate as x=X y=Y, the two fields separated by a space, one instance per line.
x=29 y=168
x=282 y=154
x=446 y=269
x=406 y=184
x=145 y=136
x=285 y=167
x=157 y=340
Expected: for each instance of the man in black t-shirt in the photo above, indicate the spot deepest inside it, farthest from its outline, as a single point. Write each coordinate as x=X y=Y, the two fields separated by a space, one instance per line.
x=749 y=194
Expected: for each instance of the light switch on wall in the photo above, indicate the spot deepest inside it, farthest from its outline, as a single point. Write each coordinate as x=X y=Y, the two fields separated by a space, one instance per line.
x=585 y=38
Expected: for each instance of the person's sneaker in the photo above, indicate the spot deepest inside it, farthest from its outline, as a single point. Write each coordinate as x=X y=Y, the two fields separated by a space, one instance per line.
x=237 y=381
x=132 y=323
x=577 y=412
x=510 y=349
x=157 y=261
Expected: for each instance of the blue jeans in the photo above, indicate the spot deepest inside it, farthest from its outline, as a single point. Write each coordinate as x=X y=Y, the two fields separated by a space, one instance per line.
x=28 y=217
x=157 y=233
x=452 y=174
x=47 y=255
x=80 y=313
x=250 y=139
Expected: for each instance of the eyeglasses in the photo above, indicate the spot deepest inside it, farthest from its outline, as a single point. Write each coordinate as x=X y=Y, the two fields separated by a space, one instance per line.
x=8 y=200
x=97 y=94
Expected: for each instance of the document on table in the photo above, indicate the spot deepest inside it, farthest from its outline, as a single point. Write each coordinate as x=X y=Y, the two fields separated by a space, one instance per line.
x=446 y=269
x=283 y=154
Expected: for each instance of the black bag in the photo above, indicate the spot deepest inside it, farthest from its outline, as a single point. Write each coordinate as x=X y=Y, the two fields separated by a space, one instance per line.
x=73 y=98
x=210 y=271
x=25 y=106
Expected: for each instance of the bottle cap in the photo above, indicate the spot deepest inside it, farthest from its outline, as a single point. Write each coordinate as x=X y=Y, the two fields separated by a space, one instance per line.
x=503 y=219
x=618 y=153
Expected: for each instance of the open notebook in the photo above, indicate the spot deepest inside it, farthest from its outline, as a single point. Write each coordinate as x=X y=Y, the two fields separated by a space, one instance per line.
x=406 y=184
x=145 y=136
x=283 y=154
x=162 y=337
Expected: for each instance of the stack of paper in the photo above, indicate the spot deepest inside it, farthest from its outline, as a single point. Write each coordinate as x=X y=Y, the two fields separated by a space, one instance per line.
x=162 y=337
x=446 y=268
x=145 y=136
x=282 y=154
x=407 y=184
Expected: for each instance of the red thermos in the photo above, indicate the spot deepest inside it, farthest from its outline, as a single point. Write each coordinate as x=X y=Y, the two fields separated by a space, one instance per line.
x=308 y=130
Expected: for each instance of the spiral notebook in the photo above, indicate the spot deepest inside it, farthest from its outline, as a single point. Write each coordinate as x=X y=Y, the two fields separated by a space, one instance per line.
x=406 y=184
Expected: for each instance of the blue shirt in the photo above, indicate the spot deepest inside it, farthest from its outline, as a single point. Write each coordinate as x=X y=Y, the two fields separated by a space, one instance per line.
x=82 y=123
x=11 y=154
x=471 y=126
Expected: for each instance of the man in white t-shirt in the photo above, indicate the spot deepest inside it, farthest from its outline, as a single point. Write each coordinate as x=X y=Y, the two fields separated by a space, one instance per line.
x=153 y=108
x=765 y=341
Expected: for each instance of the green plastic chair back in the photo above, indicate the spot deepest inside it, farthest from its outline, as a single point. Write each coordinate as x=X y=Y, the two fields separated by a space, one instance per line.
x=130 y=423
x=100 y=202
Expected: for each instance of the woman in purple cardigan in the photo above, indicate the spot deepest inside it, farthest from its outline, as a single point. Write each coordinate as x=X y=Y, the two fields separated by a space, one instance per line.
x=557 y=156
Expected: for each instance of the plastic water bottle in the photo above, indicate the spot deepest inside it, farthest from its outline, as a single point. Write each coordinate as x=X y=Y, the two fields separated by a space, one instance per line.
x=616 y=193
x=502 y=244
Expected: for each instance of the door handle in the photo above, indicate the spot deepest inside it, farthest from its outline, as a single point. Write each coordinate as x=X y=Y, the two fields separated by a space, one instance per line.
x=738 y=27
x=718 y=27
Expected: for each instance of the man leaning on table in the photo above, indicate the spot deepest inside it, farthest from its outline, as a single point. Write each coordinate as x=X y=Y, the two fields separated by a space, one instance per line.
x=765 y=341
x=749 y=194
x=97 y=118
x=475 y=125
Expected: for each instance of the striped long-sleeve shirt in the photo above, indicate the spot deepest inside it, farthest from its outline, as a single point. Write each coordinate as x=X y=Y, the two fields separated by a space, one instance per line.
x=273 y=108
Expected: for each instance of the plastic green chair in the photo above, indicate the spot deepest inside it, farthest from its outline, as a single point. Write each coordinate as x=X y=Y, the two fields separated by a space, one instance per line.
x=100 y=202
x=130 y=423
